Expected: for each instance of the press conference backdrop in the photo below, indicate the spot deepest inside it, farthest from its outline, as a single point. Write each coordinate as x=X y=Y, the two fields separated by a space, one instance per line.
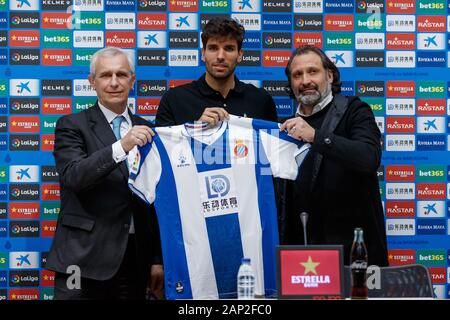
x=393 y=54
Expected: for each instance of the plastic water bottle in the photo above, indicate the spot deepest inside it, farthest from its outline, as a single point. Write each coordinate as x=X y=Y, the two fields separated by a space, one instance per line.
x=246 y=280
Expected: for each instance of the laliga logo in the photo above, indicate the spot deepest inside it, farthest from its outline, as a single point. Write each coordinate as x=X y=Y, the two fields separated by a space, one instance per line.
x=362 y=5
x=15 y=106
x=269 y=40
x=15 y=20
x=361 y=88
x=143 y=88
x=16 y=143
x=15 y=192
x=15 y=279
x=300 y=23
x=16 y=57
x=15 y=229
x=218 y=186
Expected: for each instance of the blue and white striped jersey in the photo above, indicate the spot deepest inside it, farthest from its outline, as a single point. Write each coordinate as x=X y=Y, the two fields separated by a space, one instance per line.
x=215 y=202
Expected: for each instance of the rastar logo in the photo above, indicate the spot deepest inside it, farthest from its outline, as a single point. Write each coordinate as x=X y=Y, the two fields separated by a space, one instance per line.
x=400 y=125
x=155 y=21
x=400 y=173
x=56 y=57
x=183 y=5
x=24 y=210
x=431 y=23
x=400 y=89
x=121 y=39
x=48 y=144
x=399 y=257
x=48 y=228
x=437 y=275
x=400 y=209
x=406 y=6
x=25 y=124
x=308 y=38
x=431 y=107
x=56 y=105
x=338 y=22
x=24 y=38
x=147 y=106
x=56 y=20
x=431 y=191
x=275 y=58
x=400 y=41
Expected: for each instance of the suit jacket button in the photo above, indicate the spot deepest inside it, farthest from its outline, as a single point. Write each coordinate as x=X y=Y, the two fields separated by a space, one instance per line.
x=327 y=141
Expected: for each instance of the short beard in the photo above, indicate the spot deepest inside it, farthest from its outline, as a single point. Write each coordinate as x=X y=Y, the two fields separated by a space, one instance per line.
x=309 y=99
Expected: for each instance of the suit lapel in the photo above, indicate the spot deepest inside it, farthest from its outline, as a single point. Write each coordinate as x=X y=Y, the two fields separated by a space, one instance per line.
x=104 y=133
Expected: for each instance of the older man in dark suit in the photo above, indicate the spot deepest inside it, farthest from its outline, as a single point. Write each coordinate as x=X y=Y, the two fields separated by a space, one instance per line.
x=103 y=230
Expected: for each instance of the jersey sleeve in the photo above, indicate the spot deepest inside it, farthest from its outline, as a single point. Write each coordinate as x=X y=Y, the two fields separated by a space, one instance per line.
x=284 y=153
x=145 y=171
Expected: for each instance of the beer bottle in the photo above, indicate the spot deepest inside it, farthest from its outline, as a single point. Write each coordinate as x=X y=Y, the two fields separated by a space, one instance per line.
x=358 y=266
